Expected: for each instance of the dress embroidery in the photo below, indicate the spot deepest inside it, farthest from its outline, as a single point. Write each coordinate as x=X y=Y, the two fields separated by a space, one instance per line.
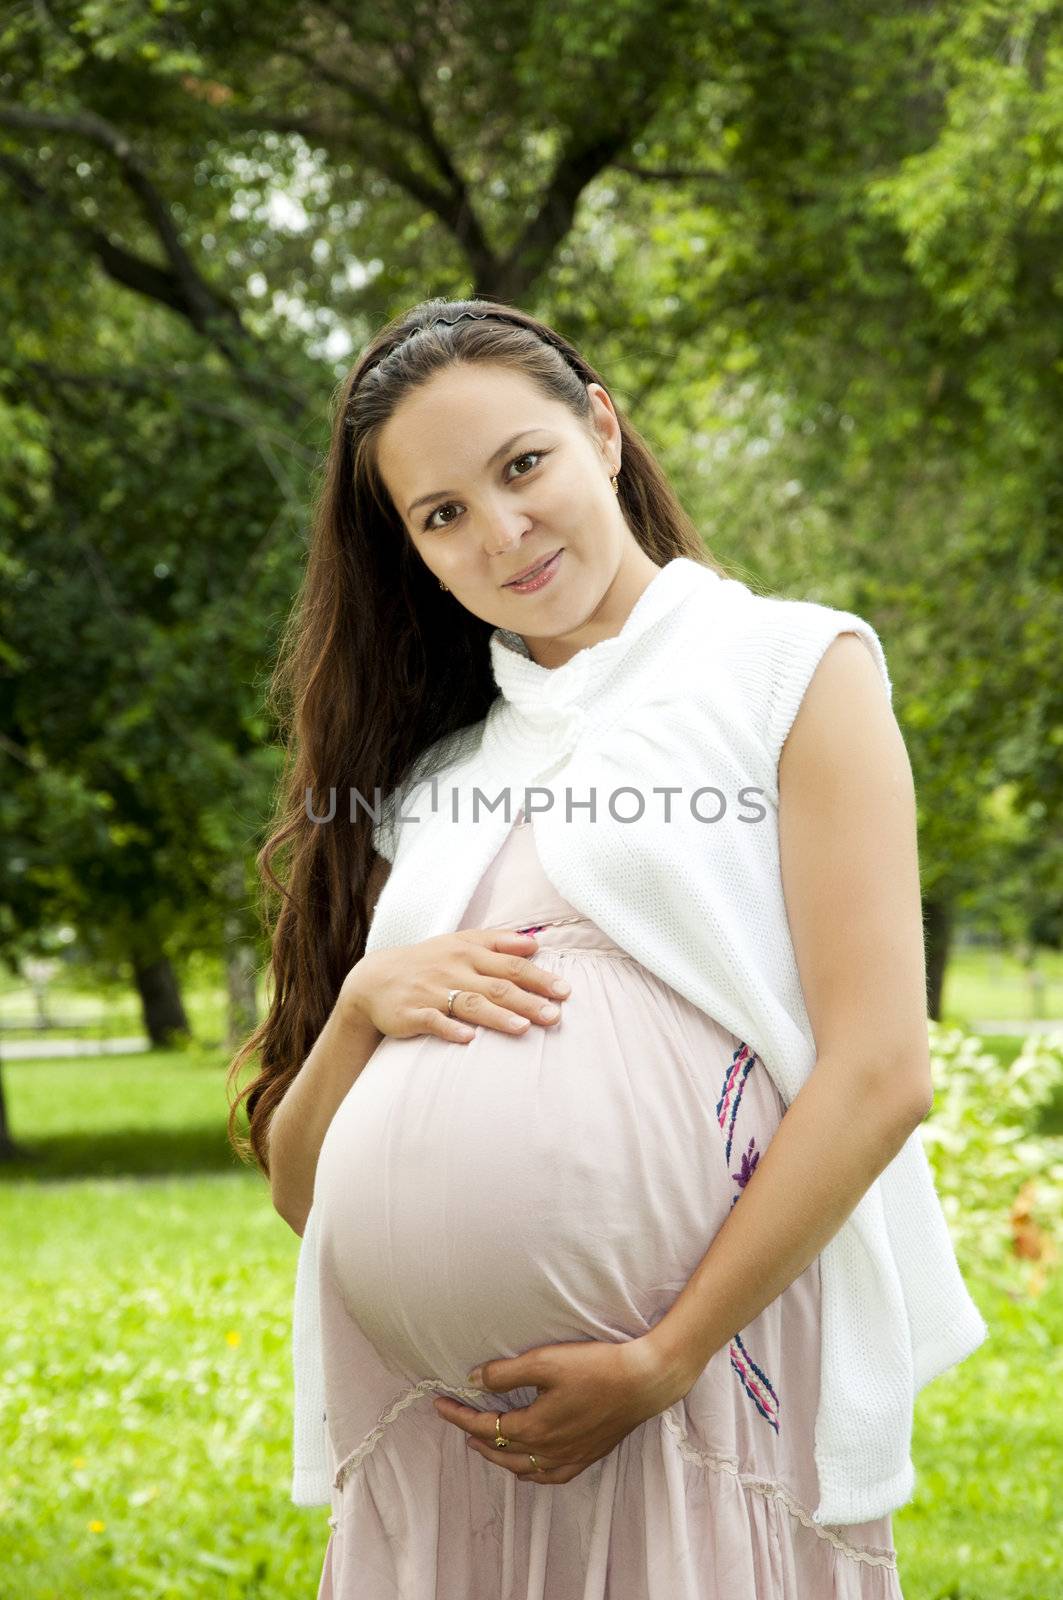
x=727 y=1105
x=754 y=1381
x=749 y=1163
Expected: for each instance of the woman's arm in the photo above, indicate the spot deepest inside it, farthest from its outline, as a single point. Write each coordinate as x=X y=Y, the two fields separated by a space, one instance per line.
x=298 y=1126
x=849 y=861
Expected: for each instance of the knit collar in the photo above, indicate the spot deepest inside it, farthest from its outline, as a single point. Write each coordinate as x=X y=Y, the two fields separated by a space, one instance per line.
x=529 y=686
x=542 y=710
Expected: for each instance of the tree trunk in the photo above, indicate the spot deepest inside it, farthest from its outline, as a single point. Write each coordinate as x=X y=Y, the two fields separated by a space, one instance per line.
x=241 y=958
x=937 y=924
x=9 y=1150
x=241 y=963
x=1026 y=954
x=160 y=1000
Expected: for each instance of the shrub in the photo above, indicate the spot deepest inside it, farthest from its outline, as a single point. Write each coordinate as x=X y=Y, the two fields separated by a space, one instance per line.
x=1001 y=1184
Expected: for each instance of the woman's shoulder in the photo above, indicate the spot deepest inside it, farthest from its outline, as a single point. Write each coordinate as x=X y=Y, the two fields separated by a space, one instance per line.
x=774 y=645
x=783 y=638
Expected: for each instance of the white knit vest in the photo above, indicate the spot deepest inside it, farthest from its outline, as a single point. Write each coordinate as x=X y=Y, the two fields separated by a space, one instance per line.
x=695 y=694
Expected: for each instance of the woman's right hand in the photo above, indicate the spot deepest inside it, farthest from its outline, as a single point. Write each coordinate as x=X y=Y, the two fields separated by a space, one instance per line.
x=403 y=991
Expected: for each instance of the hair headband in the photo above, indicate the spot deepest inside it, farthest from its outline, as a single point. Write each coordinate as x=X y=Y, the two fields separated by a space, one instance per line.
x=497 y=316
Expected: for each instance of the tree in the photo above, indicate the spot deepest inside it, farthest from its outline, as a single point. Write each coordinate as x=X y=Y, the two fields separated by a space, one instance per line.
x=815 y=241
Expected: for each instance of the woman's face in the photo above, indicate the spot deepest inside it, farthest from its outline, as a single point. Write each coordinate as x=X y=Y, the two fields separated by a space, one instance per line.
x=489 y=477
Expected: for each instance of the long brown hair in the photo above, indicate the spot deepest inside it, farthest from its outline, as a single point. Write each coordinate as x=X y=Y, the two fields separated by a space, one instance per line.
x=378 y=662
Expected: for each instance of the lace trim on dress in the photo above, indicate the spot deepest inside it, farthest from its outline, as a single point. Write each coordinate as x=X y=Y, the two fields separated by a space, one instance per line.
x=874 y=1556
x=426 y=1386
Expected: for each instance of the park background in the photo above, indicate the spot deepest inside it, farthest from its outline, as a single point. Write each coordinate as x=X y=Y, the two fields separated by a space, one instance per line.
x=816 y=251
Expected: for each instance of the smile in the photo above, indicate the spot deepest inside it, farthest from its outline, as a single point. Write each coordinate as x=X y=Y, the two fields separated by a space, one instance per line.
x=539 y=578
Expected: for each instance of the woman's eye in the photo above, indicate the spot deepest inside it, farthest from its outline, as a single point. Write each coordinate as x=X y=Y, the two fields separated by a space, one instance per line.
x=526 y=455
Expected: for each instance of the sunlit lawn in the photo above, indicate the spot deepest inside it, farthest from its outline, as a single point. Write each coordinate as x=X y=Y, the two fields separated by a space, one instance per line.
x=983 y=983
x=145 y=1396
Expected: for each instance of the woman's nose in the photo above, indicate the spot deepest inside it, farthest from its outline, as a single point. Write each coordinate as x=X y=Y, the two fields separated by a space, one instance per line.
x=505 y=532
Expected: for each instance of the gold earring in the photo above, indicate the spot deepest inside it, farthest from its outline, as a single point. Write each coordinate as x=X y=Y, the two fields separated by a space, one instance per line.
x=442 y=585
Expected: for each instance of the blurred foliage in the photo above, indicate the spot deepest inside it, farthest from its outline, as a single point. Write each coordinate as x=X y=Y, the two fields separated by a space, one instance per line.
x=813 y=248
x=999 y=1178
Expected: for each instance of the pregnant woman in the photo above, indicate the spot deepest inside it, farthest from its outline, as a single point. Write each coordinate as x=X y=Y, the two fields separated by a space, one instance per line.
x=621 y=1262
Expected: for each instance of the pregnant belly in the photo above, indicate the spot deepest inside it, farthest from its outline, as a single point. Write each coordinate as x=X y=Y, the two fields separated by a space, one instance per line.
x=482 y=1199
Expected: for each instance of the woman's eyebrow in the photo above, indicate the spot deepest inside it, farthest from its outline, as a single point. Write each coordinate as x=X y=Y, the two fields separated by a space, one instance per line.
x=507 y=444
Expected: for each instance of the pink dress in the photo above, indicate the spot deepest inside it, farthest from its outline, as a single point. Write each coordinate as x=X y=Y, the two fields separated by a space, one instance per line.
x=478 y=1200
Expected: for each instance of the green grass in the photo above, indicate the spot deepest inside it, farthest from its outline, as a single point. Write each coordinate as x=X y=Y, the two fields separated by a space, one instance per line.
x=985 y=983
x=986 y=1447
x=145 y=1397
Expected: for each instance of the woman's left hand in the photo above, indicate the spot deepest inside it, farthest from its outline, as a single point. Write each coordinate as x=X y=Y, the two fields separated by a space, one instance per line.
x=591 y=1395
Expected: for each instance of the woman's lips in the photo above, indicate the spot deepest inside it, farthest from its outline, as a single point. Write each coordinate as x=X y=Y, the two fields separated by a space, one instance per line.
x=538 y=579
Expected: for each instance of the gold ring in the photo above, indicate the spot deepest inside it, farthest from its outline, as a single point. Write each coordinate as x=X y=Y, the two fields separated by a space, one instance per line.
x=500 y=1442
x=535 y=1464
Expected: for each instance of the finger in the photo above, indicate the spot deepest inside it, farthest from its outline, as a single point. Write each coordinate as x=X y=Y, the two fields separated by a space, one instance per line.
x=504 y=953
x=522 y=974
x=499 y=1004
x=431 y=1020
x=560 y=1474
x=478 y=1425
x=518 y=1462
